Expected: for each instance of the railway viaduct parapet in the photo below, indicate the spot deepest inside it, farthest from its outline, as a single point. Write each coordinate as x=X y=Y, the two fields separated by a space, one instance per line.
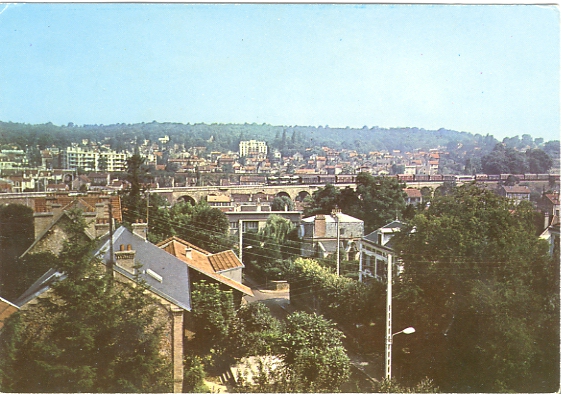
x=198 y=193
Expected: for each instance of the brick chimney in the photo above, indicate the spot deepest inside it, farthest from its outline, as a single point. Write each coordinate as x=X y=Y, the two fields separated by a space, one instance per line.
x=100 y=210
x=56 y=209
x=101 y=227
x=41 y=221
x=188 y=252
x=125 y=257
x=141 y=229
x=319 y=226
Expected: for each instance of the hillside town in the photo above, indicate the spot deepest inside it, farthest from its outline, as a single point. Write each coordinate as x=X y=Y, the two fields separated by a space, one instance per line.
x=279 y=198
x=95 y=166
x=266 y=224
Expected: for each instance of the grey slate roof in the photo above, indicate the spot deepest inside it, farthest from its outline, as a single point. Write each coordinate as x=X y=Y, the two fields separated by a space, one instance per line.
x=174 y=286
x=39 y=286
x=373 y=236
x=393 y=224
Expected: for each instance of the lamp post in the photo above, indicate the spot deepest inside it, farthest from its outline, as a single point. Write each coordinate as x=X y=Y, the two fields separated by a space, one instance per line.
x=408 y=330
x=389 y=335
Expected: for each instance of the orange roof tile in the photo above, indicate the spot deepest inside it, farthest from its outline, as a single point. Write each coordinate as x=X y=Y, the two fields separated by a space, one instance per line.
x=200 y=260
x=224 y=260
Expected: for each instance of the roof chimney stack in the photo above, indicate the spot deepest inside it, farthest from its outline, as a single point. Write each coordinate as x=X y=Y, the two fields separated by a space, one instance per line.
x=125 y=258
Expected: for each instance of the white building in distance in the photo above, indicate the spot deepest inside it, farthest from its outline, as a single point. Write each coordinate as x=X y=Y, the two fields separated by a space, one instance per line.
x=95 y=160
x=252 y=147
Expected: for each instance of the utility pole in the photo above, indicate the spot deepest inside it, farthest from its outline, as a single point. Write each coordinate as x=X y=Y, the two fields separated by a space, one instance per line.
x=240 y=230
x=109 y=267
x=147 y=208
x=335 y=215
x=389 y=321
x=360 y=260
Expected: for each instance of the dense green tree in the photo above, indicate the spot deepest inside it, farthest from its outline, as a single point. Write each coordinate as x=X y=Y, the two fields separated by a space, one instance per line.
x=213 y=314
x=552 y=148
x=314 y=354
x=90 y=335
x=506 y=160
x=255 y=332
x=27 y=270
x=268 y=252
x=482 y=293
x=539 y=162
x=134 y=205
x=282 y=203
x=16 y=235
x=200 y=224
x=356 y=306
x=376 y=200
x=379 y=200
x=322 y=200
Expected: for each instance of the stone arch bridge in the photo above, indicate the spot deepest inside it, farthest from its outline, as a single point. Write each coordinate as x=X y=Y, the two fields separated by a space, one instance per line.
x=294 y=192
x=198 y=193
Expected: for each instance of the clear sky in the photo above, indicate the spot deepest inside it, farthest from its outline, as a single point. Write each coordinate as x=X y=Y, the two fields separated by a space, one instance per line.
x=480 y=69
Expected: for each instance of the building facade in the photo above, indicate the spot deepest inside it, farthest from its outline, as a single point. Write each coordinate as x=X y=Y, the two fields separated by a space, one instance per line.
x=93 y=160
x=319 y=235
x=377 y=249
x=250 y=147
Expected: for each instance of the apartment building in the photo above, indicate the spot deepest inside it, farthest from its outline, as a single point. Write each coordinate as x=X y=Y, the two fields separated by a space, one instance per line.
x=253 y=147
x=95 y=160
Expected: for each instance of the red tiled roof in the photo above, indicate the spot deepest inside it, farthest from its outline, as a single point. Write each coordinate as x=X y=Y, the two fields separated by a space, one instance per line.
x=517 y=189
x=87 y=203
x=205 y=262
x=413 y=193
x=224 y=260
x=553 y=197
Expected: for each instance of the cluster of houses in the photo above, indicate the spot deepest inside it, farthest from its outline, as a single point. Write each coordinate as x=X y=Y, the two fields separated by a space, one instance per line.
x=172 y=266
x=169 y=268
x=93 y=165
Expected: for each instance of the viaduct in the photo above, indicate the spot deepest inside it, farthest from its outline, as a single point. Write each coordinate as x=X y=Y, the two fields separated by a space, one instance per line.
x=195 y=194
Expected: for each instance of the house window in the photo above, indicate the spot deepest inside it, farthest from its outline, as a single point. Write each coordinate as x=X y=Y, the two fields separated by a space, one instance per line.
x=253 y=225
x=341 y=231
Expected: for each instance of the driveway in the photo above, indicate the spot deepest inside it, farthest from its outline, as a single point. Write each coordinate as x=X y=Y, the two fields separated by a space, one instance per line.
x=278 y=301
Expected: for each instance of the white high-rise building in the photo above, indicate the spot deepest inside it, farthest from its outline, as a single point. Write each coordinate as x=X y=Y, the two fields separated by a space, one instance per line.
x=252 y=147
x=94 y=160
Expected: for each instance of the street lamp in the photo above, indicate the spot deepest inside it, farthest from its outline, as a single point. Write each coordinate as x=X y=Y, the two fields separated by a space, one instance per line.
x=408 y=330
x=389 y=335
x=389 y=341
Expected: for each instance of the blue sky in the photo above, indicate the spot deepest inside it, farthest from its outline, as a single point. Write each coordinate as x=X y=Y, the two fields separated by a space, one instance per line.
x=480 y=69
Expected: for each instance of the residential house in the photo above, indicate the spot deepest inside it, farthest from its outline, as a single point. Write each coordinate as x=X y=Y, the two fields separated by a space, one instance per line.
x=168 y=283
x=515 y=193
x=50 y=215
x=57 y=187
x=414 y=196
x=224 y=268
x=549 y=206
x=6 y=185
x=221 y=202
x=551 y=235
x=377 y=248
x=319 y=235
x=6 y=310
x=254 y=217
x=98 y=180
